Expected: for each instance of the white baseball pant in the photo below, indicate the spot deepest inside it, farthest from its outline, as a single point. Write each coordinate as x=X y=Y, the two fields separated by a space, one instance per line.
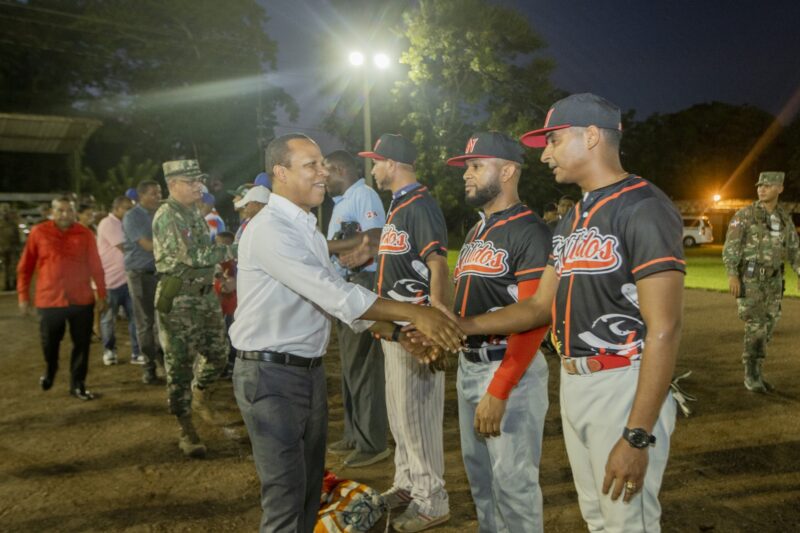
x=503 y=471
x=594 y=411
x=415 y=405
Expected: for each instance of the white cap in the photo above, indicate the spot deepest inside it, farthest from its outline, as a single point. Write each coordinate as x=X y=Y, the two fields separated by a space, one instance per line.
x=259 y=194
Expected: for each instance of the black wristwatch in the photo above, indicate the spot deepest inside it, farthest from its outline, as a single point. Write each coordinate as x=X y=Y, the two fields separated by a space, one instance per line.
x=398 y=330
x=638 y=437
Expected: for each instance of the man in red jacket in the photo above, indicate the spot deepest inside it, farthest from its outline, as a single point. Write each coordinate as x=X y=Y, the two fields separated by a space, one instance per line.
x=64 y=256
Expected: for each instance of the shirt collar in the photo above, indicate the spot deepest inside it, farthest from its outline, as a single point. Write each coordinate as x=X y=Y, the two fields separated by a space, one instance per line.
x=507 y=211
x=285 y=207
x=589 y=198
x=405 y=190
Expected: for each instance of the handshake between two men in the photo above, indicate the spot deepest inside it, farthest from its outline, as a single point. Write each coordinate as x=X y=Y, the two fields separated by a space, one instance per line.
x=431 y=332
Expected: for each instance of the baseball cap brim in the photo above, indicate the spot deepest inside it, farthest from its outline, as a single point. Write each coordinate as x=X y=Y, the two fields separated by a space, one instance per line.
x=536 y=138
x=461 y=160
x=372 y=155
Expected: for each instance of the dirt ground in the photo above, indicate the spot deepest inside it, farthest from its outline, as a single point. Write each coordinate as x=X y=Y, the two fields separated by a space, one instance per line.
x=113 y=464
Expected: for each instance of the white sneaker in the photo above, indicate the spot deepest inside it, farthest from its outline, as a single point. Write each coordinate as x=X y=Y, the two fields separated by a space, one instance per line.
x=137 y=359
x=412 y=520
x=109 y=357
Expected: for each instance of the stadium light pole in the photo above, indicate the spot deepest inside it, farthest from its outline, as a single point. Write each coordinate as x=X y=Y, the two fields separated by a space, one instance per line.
x=380 y=61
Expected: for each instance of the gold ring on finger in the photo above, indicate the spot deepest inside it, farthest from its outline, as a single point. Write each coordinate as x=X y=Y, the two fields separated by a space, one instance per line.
x=630 y=486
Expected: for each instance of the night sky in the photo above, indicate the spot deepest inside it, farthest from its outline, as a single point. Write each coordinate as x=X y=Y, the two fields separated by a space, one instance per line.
x=648 y=55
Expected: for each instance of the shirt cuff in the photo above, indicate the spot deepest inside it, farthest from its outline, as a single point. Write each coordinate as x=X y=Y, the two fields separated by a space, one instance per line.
x=355 y=304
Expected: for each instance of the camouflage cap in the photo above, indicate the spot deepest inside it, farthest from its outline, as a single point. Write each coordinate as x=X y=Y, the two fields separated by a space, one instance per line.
x=189 y=168
x=770 y=178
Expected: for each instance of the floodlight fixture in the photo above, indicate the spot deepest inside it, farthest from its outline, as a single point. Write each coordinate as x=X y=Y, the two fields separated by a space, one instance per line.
x=381 y=60
x=356 y=59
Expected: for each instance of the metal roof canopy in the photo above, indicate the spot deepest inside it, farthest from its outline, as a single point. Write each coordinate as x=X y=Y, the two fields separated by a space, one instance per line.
x=44 y=134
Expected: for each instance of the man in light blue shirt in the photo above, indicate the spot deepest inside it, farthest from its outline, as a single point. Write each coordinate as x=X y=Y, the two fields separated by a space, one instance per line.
x=140 y=266
x=358 y=214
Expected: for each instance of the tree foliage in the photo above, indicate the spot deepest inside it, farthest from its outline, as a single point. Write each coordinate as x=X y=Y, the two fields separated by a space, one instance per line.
x=695 y=153
x=184 y=78
x=118 y=179
x=472 y=65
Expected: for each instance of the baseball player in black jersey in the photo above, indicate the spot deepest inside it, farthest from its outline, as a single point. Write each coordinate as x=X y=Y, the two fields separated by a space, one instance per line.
x=412 y=267
x=613 y=288
x=502 y=380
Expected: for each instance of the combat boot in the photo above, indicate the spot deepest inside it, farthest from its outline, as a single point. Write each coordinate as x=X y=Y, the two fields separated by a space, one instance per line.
x=189 y=443
x=201 y=404
x=752 y=377
x=767 y=385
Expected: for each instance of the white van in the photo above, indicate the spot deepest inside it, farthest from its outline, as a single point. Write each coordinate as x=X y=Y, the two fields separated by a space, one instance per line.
x=697 y=230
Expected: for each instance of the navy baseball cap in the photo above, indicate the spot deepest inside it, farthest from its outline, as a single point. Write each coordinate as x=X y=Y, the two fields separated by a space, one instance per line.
x=488 y=145
x=393 y=146
x=577 y=110
x=263 y=179
x=132 y=194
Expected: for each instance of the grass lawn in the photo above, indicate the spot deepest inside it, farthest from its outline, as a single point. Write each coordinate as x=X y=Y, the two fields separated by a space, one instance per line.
x=704 y=269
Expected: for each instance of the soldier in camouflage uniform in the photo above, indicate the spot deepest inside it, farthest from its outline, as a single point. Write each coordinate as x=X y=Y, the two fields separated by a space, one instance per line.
x=760 y=237
x=189 y=316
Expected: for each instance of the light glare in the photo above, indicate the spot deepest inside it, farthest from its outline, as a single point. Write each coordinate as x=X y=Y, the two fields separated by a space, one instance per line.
x=717 y=197
x=356 y=58
x=381 y=61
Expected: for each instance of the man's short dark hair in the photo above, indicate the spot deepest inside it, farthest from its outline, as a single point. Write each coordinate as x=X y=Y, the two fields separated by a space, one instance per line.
x=277 y=151
x=118 y=201
x=566 y=199
x=60 y=199
x=550 y=207
x=146 y=185
x=84 y=207
x=345 y=161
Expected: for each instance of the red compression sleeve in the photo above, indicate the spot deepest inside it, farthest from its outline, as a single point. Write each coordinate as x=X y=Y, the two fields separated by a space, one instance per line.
x=520 y=351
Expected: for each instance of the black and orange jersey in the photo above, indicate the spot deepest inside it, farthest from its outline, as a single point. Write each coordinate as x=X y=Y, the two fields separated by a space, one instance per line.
x=499 y=252
x=415 y=228
x=613 y=237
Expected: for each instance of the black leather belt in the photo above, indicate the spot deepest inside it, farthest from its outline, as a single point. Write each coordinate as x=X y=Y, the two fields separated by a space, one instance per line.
x=281 y=358
x=484 y=355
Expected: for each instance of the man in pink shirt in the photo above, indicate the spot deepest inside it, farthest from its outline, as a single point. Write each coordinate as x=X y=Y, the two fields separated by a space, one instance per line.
x=110 y=240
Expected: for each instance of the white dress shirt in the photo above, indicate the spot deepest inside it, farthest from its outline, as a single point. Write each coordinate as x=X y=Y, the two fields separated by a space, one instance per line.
x=287 y=286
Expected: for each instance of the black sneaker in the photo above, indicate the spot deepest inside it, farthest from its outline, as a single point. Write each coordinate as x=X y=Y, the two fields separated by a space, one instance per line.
x=81 y=393
x=45 y=382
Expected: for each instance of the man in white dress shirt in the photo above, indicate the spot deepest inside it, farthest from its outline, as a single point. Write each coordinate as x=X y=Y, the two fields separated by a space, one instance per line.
x=288 y=290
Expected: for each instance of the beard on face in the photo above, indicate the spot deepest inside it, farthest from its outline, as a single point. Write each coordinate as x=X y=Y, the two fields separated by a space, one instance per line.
x=483 y=196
